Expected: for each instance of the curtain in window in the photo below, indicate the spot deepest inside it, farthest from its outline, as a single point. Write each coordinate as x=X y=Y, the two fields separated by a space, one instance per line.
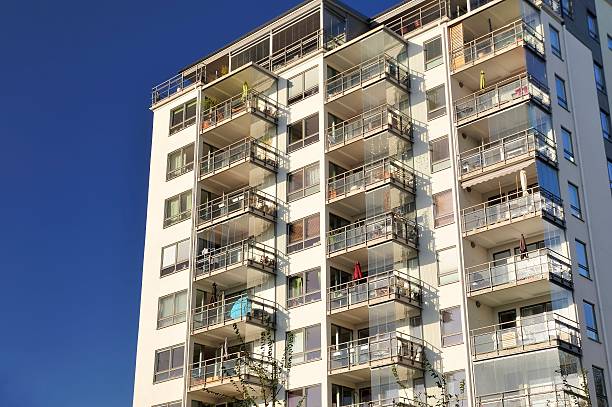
x=166 y=307
x=311 y=176
x=312 y=227
x=439 y=150
x=183 y=251
x=296 y=181
x=311 y=78
x=295 y=286
x=168 y=256
x=180 y=302
x=295 y=86
x=296 y=231
x=172 y=208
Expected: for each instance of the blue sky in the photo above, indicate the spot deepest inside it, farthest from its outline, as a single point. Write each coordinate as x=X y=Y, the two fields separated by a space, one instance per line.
x=76 y=130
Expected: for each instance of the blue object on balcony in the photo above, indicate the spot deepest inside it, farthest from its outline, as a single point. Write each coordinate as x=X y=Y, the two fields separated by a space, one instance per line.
x=240 y=308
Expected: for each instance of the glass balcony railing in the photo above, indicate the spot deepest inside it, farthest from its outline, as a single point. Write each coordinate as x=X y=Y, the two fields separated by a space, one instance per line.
x=251 y=101
x=517 y=33
x=246 y=253
x=390 y=402
x=310 y=43
x=233 y=309
x=246 y=199
x=382 y=66
x=513 y=207
x=228 y=368
x=400 y=347
x=526 y=143
x=387 y=226
x=415 y=19
x=389 y=284
x=553 y=395
x=499 y=96
x=379 y=118
x=546 y=329
x=243 y=150
x=387 y=169
x=537 y=264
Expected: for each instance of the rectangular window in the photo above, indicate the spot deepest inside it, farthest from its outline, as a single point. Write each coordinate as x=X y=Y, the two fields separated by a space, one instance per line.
x=303 y=85
x=609 y=43
x=574 y=200
x=183 y=116
x=561 y=95
x=172 y=309
x=568 y=146
x=443 y=208
x=175 y=258
x=592 y=26
x=582 y=259
x=177 y=208
x=303 y=182
x=302 y=133
x=555 y=41
x=601 y=393
x=433 y=52
x=452 y=333
x=436 y=102
x=180 y=162
x=610 y=173
x=590 y=321
x=305 y=397
x=567 y=8
x=600 y=81
x=304 y=287
x=448 y=272
x=306 y=344
x=169 y=363
x=455 y=384
x=303 y=233
x=439 y=154
x=604 y=118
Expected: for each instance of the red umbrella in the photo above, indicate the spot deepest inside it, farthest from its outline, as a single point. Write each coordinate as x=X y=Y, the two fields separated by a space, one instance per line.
x=523 y=247
x=357 y=274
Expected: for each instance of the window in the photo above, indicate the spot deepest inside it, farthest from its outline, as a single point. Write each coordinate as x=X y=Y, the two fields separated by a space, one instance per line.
x=455 y=384
x=609 y=43
x=177 y=403
x=180 y=162
x=175 y=258
x=452 y=333
x=590 y=321
x=303 y=85
x=567 y=8
x=610 y=172
x=582 y=259
x=592 y=26
x=561 y=95
x=177 y=208
x=604 y=117
x=443 y=208
x=305 y=397
x=600 y=81
x=555 y=41
x=306 y=344
x=439 y=154
x=433 y=52
x=304 y=287
x=447 y=265
x=303 y=182
x=574 y=200
x=568 y=146
x=183 y=116
x=172 y=309
x=303 y=233
x=599 y=380
x=548 y=178
x=169 y=363
x=302 y=133
x=436 y=102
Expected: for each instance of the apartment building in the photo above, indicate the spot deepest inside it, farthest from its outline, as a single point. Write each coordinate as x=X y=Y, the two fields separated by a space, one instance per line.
x=420 y=201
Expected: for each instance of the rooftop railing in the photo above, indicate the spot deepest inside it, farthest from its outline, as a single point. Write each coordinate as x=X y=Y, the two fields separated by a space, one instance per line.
x=378 y=118
x=499 y=96
x=176 y=84
x=244 y=307
x=514 y=34
x=227 y=368
x=236 y=202
x=246 y=252
x=381 y=66
x=552 y=395
x=528 y=143
x=416 y=19
x=251 y=101
x=512 y=207
x=243 y=150
x=536 y=264
x=360 y=178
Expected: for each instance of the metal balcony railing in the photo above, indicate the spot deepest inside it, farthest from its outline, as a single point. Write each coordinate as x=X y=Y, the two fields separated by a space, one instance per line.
x=315 y=41
x=378 y=118
x=382 y=66
x=232 y=309
x=227 y=368
x=243 y=150
x=541 y=329
x=499 y=96
x=525 y=143
x=236 y=202
x=517 y=33
x=390 y=402
x=226 y=110
x=389 y=226
x=554 y=5
x=415 y=19
x=375 y=287
x=367 y=351
x=552 y=395
x=359 y=178
x=512 y=208
x=175 y=85
x=246 y=252
x=536 y=264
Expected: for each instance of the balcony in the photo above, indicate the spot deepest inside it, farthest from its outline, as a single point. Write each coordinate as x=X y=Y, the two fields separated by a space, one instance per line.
x=238 y=164
x=245 y=263
x=504 y=94
x=253 y=315
x=552 y=6
x=353 y=360
x=518 y=277
x=392 y=402
x=416 y=19
x=552 y=395
x=245 y=201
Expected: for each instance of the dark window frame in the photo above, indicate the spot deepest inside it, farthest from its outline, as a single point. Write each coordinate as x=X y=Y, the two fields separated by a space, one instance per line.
x=561 y=100
x=583 y=269
x=304 y=297
x=454 y=335
x=305 y=93
x=576 y=211
x=186 y=121
x=556 y=50
x=309 y=355
x=568 y=154
x=305 y=139
x=172 y=372
x=176 y=267
x=305 y=190
x=176 y=317
x=185 y=167
x=440 y=110
x=443 y=219
x=437 y=60
x=304 y=243
x=591 y=330
x=440 y=164
x=183 y=215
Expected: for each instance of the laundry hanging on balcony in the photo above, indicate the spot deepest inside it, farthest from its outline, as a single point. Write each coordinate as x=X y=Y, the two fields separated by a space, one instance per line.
x=483 y=82
x=357 y=273
x=240 y=308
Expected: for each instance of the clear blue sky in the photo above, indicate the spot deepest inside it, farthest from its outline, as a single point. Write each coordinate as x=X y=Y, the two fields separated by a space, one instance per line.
x=76 y=131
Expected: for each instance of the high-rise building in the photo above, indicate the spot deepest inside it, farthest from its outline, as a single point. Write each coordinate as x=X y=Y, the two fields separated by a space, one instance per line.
x=419 y=203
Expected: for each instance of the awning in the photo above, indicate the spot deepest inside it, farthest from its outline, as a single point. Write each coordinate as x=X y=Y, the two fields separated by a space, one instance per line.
x=479 y=177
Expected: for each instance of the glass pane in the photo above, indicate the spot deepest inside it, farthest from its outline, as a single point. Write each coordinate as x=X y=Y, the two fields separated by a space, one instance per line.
x=311 y=125
x=168 y=256
x=296 y=231
x=190 y=112
x=313 y=337
x=177 y=357
x=295 y=86
x=311 y=78
x=180 y=302
x=311 y=175
x=172 y=207
x=295 y=286
x=313 y=396
x=166 y=306
x=177 y=117
x=298 y=341
x=183 y=251
x=294 y=397
x=313 y=281
x=451 y=321
x=312 y=226
x=295 y=132
x=162 y=360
